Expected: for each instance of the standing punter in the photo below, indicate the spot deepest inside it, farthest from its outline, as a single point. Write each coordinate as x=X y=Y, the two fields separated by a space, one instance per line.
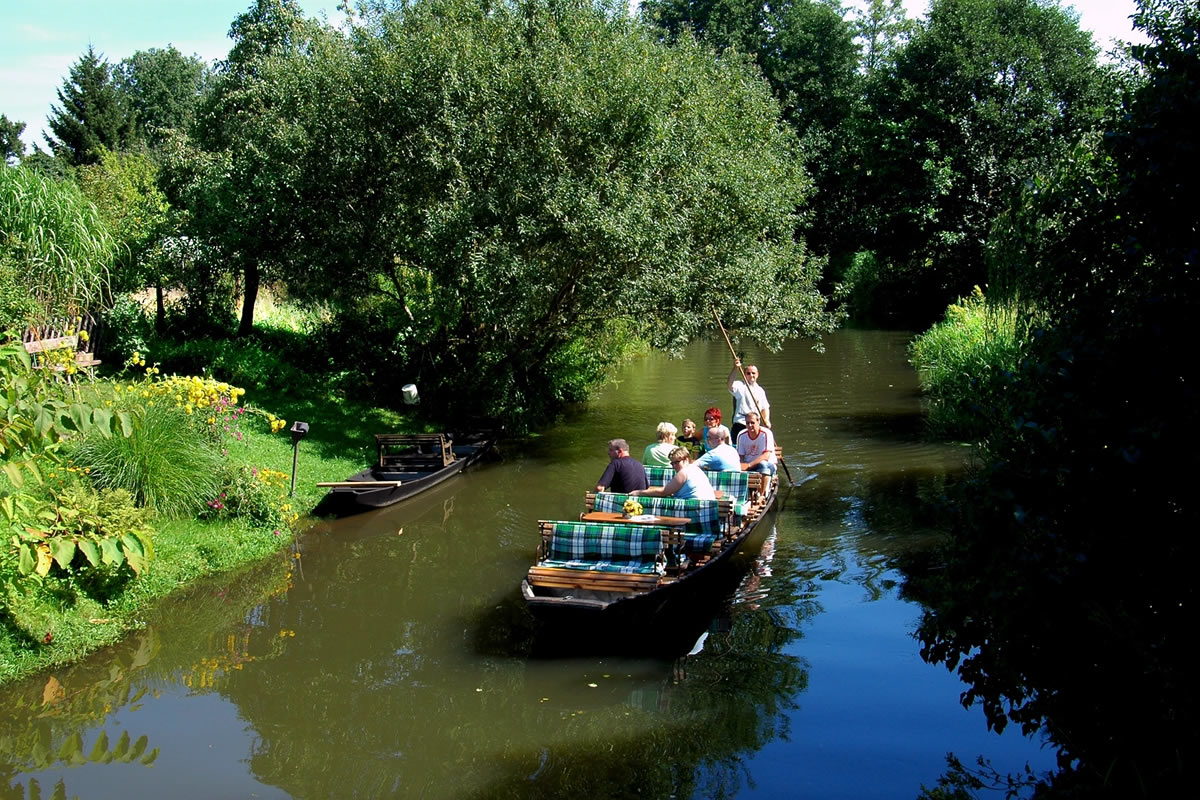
x=743 y=403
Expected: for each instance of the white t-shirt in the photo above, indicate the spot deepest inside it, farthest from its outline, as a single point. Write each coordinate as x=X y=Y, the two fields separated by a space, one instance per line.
x=742 y=404
x=750 y=449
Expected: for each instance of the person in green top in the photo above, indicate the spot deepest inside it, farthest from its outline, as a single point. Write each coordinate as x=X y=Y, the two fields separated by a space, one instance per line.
x=659 y=453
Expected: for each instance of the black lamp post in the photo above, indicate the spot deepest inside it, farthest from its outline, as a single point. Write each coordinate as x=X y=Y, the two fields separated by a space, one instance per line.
x=299 y=430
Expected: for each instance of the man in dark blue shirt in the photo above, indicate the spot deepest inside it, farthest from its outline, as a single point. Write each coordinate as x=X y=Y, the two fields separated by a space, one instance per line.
x=624 y=474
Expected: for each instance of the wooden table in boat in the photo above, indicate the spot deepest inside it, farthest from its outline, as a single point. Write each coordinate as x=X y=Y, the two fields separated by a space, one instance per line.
x=641 y=519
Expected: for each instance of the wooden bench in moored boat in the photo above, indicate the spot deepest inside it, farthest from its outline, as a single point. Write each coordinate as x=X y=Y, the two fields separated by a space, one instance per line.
x=414 y=452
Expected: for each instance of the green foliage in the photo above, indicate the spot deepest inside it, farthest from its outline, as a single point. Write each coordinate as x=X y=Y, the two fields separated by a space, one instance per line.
x=984 y=97
x=1068 y=599
x=517 y=179
x=11 y=145
x=97 y=533
x=256 y=494
x=966 y=364
x=257 y=362
x=124 y=189
x=163 y=88
x=128 y=328
x=93 y=115
x=55 y=241
x=167 y=462
x=883 y=29
x=806 y=51
x=17 y=305
x=37 y=416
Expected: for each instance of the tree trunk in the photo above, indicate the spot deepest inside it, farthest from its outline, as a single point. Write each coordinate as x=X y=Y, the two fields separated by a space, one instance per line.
x=249 y=296
x=160 y=309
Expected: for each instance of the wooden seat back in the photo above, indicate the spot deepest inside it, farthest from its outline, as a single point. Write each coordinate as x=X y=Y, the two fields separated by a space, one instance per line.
x=417 y=452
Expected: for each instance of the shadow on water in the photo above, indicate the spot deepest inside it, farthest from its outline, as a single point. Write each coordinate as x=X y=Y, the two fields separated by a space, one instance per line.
x=884 y=426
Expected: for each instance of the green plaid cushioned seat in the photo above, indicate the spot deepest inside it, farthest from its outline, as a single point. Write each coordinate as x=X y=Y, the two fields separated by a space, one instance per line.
x=604 y=548
x=659 y=476
x=733 y=484
x=704 y=515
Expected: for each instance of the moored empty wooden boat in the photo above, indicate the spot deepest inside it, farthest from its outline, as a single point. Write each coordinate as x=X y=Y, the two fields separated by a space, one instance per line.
x=626 y=584
x=406 y=464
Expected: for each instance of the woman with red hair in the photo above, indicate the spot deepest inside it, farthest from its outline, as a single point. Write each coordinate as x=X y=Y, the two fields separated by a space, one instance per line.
x=712 y=419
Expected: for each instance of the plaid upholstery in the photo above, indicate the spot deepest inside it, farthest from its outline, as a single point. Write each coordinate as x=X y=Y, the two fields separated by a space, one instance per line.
x=660 y=476
x=697 y=544
x=604 y=548
x=734 y=485
x=704 y=515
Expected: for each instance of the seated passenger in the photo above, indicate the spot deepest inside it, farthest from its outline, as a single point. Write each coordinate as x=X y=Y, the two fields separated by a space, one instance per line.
x=659 y=454
x=689 y=437
x=720 y=456
x=624 y=474
x=712 y=420
x=756 y=446
x=689 y=482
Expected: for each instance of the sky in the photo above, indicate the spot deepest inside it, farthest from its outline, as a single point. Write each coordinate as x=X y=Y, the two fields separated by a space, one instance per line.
x=41 y=39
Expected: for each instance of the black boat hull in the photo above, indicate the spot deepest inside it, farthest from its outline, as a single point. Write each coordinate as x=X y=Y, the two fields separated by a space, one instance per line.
x=346 y=500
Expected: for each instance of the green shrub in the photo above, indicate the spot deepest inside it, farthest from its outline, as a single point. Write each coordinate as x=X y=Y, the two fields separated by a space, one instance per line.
x=254 y=493
x=128 y=328
x=877 y=292
x=966 y=365
x=248 y=362
x=167 y=463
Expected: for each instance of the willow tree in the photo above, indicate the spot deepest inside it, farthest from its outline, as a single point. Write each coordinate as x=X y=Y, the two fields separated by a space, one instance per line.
x=515 y=180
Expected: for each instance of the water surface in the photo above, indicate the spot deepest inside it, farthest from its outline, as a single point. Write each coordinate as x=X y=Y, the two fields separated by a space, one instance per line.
x=389 y=654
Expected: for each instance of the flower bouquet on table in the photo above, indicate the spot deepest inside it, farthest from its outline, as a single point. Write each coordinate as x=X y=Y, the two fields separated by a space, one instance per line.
x=632 y=508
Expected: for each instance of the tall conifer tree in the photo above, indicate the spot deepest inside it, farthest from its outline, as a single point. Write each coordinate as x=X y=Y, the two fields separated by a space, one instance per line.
x=92 y=115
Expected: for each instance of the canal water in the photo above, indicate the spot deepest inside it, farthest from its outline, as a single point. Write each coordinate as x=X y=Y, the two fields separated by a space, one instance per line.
x=389 y=654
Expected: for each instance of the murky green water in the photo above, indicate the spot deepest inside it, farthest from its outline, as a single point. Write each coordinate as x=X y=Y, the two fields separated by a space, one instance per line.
x=388 y=655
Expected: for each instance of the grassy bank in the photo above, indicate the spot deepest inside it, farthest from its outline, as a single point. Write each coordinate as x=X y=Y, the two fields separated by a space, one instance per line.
x=56 y=620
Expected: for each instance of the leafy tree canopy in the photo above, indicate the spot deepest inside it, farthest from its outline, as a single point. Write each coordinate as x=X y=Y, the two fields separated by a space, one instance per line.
x=163 y=88
x=11 y=145
x=518 y=178
x=124 y=189
x=806 y=50
x=987 y=94
x=883 y=29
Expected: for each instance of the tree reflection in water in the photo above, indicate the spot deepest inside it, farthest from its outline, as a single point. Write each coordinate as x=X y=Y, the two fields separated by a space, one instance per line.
x=58 y=721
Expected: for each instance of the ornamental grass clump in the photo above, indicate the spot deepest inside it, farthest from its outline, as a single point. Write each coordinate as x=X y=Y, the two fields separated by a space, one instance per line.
x=165 y=462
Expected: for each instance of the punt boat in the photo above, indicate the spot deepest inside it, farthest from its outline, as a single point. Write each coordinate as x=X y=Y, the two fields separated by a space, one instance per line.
x=616 y=583
x=406 y=465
